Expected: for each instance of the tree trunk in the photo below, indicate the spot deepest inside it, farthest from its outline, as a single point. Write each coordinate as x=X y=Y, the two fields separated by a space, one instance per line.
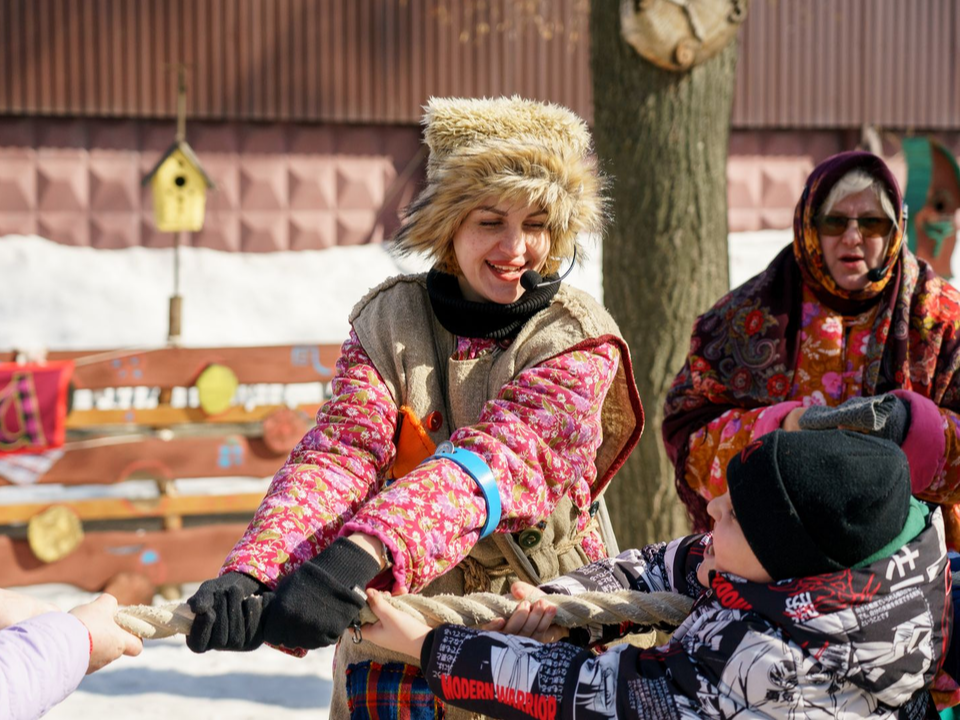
x=662 y=139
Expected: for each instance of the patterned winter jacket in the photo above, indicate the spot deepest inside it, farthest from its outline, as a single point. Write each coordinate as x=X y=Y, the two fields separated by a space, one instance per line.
x=852 y=644
x=539 y=435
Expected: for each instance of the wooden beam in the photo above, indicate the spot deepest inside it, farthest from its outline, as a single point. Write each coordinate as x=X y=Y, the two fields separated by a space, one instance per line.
x=164 y=557
x=123 y=508
x=169 y=416
x=179 y=367
x=95 y=462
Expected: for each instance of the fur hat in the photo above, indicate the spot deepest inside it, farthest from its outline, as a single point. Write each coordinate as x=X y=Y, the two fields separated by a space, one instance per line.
x=817 y=501
x=510 y=149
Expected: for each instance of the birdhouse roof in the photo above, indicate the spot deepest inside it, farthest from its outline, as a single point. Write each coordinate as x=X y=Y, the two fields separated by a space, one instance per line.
x=191 y=156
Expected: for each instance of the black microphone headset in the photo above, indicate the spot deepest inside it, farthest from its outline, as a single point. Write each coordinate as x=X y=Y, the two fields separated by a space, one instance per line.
x=531 y=279
x=878 y=274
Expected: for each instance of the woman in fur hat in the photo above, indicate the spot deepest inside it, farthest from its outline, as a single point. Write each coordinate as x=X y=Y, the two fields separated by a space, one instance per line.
x=528 y=393
x=847 y=312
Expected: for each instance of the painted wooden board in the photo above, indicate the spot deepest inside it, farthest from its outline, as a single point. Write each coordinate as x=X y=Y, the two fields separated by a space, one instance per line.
x=123 y=508
x=180 y=367
x=93 y=463
x=172 y=556
x=166 y=416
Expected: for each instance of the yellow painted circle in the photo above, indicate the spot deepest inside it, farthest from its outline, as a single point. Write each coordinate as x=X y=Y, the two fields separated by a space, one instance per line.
x=54 y=533
x=217 y=385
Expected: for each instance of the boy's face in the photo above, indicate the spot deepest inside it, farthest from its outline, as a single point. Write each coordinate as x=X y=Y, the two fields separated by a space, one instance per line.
x=730 y=551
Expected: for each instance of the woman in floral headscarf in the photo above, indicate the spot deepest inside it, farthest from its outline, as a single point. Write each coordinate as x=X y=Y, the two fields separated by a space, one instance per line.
x=846 y=312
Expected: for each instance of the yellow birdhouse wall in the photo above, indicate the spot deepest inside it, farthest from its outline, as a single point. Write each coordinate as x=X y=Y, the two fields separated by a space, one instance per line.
x=179 y=194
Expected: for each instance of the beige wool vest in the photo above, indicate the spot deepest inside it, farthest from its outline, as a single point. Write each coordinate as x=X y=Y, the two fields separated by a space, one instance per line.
x=412 y=352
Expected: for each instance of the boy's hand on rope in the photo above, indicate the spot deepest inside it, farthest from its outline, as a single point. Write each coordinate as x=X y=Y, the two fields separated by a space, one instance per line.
x=400 y=632
x=394 y=630
x=533 y=617
x=314 y=605
x=228 y=611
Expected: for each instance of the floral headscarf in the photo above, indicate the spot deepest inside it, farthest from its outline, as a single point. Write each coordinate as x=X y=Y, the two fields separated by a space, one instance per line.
x=806 y=239
x=744 y=351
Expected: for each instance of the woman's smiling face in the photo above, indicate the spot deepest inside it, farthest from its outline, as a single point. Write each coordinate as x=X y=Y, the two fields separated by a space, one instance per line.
x=495 y=245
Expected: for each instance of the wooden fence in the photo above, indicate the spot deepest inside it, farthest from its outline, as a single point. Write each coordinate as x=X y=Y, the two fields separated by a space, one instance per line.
x=161 y=415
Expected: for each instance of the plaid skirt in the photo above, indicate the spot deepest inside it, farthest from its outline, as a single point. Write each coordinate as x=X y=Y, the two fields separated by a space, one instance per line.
x=393 y=691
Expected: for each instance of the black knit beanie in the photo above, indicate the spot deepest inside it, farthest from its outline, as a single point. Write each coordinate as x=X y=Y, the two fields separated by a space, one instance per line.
x=812 y=502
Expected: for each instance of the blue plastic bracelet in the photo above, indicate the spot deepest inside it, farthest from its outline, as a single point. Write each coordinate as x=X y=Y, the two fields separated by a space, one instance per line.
x=476 y=468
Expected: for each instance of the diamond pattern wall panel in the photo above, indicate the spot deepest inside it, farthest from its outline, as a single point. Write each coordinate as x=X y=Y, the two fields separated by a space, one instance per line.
x=18 y=223
x=221 y=231
x=66 y=228
x=287 y=186
x=359 y=183
x=278 y=186
x=263 y=232
x=114 y=181
x=62 y=181
x=18 y=181
x=312 y=230
x=312 y=183
x=263 y=183
x=111 y=231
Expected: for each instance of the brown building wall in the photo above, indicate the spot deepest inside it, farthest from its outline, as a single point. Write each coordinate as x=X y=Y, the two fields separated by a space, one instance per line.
x=279 y=186
x=305 y=112
x=357 y=61
x=803 y=63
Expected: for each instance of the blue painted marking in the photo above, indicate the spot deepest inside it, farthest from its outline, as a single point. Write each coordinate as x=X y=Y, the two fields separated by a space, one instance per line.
x=230 y=453
x=149 y=557
x=308 y=355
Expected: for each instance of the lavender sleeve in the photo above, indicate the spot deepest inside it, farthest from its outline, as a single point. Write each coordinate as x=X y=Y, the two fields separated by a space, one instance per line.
x=42 y=661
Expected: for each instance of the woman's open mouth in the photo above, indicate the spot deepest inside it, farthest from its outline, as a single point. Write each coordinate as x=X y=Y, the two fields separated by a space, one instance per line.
x=506 y=272
x=852 y=262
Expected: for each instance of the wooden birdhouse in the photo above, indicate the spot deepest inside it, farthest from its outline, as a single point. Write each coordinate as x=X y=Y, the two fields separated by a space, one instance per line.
x=179 y=189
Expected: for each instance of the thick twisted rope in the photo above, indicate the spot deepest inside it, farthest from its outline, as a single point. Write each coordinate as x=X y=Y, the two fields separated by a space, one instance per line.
x=661 y=609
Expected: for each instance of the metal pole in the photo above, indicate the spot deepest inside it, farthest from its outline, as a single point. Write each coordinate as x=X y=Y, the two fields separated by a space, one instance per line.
x=176 y=301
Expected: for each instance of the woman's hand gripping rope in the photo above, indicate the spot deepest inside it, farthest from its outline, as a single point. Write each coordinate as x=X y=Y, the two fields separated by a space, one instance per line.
x=660 y=609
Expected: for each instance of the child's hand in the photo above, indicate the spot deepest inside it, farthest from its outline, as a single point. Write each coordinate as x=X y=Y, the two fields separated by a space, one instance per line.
x=532 y=618
x=15 y=608
x=110 y=641
x=395 y=630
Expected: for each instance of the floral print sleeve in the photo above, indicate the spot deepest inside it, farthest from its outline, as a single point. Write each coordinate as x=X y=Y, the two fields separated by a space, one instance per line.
x=539 y=437
x=712 y=446
x=945 y=487
x=328 y=475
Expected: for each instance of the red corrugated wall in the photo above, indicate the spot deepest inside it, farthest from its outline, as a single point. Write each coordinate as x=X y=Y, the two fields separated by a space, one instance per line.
x=844 y=63
x=809 y=63
x=315 y=60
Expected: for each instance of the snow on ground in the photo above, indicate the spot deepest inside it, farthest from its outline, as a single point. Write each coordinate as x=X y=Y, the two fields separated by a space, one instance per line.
x=58 y=298
x=168 y=681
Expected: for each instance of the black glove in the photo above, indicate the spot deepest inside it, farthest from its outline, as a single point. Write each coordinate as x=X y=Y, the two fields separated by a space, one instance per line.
x=228 y=611
x=313 y=606
x=897 y=424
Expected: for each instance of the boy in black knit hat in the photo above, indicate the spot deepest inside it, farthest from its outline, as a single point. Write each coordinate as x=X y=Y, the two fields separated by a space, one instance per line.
x=821 y=592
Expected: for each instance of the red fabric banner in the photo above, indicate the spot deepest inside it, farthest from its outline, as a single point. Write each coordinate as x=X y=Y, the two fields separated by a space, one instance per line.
x=33 y=406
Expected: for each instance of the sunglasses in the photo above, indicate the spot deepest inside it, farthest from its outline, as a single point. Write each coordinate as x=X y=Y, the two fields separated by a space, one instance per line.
x=870 y=227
